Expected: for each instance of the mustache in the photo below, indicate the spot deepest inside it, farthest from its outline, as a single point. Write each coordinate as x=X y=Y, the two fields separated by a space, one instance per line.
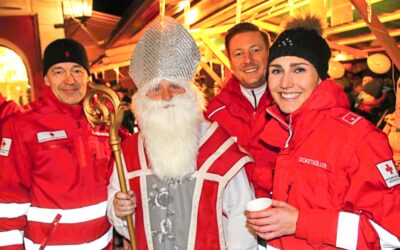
x=250 y=64
x=74 y=86
x=161 y=104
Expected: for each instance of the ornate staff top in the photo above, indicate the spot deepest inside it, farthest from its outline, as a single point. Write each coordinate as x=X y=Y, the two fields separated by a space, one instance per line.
x=102 y=106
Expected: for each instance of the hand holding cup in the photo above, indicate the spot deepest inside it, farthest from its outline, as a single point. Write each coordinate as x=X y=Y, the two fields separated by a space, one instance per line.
x=258 y=204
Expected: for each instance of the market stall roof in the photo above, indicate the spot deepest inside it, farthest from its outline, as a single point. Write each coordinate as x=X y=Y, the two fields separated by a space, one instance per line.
x=347 y=33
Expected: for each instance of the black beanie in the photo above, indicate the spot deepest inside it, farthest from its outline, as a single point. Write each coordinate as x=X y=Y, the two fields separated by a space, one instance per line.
x=64 y=50
x=303 y=42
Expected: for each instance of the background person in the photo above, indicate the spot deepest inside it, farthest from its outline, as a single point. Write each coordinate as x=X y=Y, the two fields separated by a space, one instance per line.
x=7 y=108
x=188 y=186
x=128 y=120
x=54 y=165
x=240 y=106
x=335 y=183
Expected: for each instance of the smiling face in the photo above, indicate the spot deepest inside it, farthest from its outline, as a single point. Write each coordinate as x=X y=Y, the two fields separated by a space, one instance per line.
x=67 y=81
x=291 y=81
x=248 y=56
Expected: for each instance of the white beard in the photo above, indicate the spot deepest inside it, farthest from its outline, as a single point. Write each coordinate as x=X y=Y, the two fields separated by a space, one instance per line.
x=171 y=131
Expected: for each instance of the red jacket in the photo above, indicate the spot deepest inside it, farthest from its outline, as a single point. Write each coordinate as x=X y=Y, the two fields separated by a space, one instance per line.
x=53 y=179
x=240 y=119
x=7 y=108
x=337 y=169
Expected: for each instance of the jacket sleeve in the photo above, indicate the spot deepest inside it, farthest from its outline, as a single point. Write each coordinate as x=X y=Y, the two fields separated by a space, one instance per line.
x=369 y=218
x=236 y=195
x=14 y=187
x=260 y=172
x=7 y=108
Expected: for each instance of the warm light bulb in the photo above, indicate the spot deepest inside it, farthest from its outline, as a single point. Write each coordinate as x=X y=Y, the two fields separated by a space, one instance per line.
x=340 y=56
x=192 y=16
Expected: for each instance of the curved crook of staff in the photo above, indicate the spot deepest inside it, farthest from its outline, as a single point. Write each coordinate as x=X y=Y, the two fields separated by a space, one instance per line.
x=103 y=107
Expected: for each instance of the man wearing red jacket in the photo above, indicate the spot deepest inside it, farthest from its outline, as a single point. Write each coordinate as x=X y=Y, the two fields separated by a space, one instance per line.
x=54 y=165
x=240 y=107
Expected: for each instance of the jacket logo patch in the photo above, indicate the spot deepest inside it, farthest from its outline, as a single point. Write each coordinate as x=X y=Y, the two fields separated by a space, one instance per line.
x=389 y=173
x=351 y=118
x=51 y=135
x=5 y=146
x=315 y=163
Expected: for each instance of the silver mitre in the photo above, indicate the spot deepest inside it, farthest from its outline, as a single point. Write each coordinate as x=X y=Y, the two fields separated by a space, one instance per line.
x=165 y=50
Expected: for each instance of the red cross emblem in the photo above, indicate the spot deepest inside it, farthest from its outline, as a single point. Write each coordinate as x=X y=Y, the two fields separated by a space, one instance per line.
x=389 y=169
x=67 y=54
x=351 y=118
x=5 y=146
x=389 y=173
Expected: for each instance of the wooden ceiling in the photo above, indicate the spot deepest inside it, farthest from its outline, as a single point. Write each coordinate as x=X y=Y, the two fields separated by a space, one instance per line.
x=214 y=17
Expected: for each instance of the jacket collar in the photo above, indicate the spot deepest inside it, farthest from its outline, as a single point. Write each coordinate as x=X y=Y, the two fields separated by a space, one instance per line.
x=232 y=94
x=327 y=95
x=75 y=111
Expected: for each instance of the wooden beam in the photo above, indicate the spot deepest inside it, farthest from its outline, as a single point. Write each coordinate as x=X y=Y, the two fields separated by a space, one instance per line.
x=221 y=56
x=281 y=10
x=210 y=71
x=196 y=33
x=356 y=52
x=376 y=49
x=267 y=26
x=379 y=30
x=127 y=49
x=365 y=38
x=361 y=24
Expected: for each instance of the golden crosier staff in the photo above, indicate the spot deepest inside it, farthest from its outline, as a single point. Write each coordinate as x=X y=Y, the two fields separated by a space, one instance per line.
x=98 y=113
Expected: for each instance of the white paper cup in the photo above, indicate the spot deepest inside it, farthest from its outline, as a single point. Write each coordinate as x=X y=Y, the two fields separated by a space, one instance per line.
x=258 y=204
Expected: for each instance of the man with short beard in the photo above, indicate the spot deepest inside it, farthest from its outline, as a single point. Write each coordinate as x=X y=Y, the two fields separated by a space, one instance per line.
x=240 y=107
x=188 y=186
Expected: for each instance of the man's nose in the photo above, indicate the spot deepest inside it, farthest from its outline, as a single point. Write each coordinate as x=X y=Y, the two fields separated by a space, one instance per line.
x=166 y=94
x=69 y=79
x=247 y=57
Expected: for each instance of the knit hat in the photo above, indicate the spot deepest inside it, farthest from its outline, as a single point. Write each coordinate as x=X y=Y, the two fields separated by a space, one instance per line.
x=302 y=38
x=64 y=50
x=167 y=51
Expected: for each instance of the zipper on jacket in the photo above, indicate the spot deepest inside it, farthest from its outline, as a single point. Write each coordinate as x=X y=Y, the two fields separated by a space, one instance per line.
x=255 y=99
x=288 y=189
x=290 y=131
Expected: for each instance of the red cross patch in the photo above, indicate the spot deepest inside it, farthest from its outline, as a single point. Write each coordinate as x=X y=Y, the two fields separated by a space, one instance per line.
x=351 y=118
x=67 y=54
x=389 y=173
x=5 y=146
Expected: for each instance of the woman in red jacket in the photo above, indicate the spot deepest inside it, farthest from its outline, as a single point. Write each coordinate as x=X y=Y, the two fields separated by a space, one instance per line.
x=335 y=183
